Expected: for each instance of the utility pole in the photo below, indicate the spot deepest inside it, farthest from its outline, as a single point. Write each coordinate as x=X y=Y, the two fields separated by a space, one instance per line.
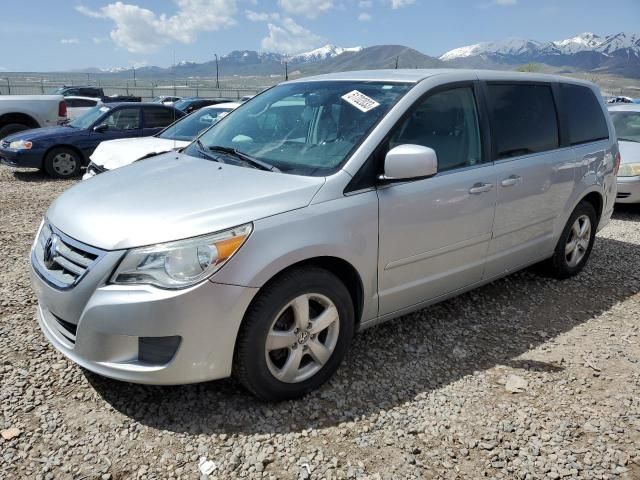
x=396 y=63
x=286 y=71
x=134 y=76
x=217 y=78
x=88 y=81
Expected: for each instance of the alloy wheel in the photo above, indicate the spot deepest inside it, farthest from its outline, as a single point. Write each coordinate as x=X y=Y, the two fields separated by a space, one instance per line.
x=302 y=338
x=578 y=241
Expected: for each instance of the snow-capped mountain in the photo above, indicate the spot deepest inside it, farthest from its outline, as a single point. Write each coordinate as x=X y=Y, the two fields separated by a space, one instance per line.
x=618 y=53
x=580 y=43
x=322 y=53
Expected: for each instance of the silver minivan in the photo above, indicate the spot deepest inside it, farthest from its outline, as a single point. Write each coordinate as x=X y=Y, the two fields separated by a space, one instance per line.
x=321 y=207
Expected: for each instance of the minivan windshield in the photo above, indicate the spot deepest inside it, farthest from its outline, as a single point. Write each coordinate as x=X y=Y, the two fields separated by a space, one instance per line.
x=188 y=127
x=89 y=117
x=627 y=125
x=305 y=128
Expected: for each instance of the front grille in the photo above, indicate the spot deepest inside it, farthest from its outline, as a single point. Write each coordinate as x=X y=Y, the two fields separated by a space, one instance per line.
x=60 y=260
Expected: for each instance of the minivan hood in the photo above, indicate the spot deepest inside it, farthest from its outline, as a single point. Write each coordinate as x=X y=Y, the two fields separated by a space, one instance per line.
x=114 y=154
x=629 y=151
x=171 y=197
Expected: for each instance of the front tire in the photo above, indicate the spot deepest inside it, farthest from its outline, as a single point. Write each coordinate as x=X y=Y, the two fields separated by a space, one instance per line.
x=295 y=334
x=62 y=163
x=575 y=243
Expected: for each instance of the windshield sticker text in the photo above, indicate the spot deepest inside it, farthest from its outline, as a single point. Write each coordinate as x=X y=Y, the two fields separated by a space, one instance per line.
x=360 y=101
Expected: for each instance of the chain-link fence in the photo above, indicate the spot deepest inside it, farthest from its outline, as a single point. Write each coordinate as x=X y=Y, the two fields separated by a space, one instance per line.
x=147 y=91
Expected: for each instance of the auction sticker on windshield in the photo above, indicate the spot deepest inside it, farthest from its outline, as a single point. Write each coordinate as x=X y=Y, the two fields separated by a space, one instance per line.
x=360 y=101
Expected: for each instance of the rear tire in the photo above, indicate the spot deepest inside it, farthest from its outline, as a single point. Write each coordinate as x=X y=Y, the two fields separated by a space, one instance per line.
x=575 y=243
x=62 y=163
x=294 y=335
x=12 y=128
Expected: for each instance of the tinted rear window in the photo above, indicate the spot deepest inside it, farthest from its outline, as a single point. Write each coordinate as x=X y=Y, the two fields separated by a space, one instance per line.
x=524 y=119
x=586 y=119
x=157 y=117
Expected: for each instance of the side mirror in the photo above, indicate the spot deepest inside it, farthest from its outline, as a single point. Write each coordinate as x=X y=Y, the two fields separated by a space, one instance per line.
x=409 y=161
x=103 y=127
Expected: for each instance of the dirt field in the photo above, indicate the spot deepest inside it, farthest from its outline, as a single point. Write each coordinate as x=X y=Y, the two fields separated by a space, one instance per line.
x=426 y=396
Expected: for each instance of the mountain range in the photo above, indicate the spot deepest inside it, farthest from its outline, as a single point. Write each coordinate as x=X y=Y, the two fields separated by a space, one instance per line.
x=617 y=54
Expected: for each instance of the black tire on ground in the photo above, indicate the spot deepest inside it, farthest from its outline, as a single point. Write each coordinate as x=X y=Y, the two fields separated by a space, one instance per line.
x=10 y=128
x=251 y=366
x=62 y=162
x=558 y=265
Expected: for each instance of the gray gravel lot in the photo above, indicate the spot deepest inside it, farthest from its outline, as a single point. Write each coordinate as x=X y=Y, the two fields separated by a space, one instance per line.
x=426 y=396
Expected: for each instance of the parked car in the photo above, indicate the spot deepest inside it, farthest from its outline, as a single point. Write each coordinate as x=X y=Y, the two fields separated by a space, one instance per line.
x=114 y=154
x=322 y=207
x=77 y=106
x=167 y=100
x=94 y=92
x=246 y=97
x=79 y=91
x=62 y=151
x=191 y=104
x=626 y=120
x=22 y=112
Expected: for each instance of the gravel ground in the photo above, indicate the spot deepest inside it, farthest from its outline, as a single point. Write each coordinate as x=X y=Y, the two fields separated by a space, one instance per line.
x=524 y=378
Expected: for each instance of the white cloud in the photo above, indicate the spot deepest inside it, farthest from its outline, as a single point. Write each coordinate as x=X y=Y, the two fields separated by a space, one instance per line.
x=364 y=17
x=69 y=41
x=290 y=38
x=307 y=8
x=140 y=30
x=396 y=4
x=505 y=3
x=365 y=4
x=88 y=12
x=261 y=16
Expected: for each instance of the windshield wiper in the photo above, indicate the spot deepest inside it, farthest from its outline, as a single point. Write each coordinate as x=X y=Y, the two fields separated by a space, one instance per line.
x=203 y=150
x=245 y=158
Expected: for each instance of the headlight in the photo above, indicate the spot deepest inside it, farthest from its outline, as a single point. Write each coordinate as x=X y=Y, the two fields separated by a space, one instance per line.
x=21 y=145
x=629 y=170
x=183 y=263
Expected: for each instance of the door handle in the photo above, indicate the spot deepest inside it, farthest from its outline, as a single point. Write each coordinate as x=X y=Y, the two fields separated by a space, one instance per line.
x=511 y=181
x=479 y=188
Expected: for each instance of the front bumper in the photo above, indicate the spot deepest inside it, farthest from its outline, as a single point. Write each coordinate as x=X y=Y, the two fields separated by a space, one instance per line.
x=21 y=158
x=628 y=190
x=106 y=329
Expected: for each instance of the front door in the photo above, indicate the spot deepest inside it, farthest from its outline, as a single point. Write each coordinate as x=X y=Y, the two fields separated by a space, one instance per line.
x=434 y=232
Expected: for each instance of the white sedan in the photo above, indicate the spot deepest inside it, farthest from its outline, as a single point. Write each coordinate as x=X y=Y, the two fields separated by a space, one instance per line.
x=114 y=154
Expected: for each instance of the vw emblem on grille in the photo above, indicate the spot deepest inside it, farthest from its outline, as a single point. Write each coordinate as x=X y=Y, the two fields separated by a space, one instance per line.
x=50 y=251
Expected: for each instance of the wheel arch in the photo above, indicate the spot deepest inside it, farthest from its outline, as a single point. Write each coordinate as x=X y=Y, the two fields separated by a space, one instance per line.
x=83 y=160
x=18 y=117
x=342 y=269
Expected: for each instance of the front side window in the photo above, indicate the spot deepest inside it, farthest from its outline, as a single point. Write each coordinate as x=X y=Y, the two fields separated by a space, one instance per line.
x=448 y=123
x=306 y=128
x=123 y=119
x=196 y=123
x=157 y=117
x=585 y=116
x=627 y=125
x=524 y=119
x=89 y=117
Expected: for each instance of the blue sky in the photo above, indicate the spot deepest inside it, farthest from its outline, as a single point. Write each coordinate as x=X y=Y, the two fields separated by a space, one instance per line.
x=46 y=35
